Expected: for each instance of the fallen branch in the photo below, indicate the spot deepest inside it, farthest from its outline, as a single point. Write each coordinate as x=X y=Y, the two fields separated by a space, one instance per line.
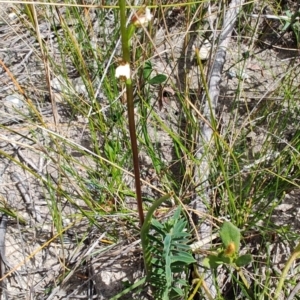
x=202 y=171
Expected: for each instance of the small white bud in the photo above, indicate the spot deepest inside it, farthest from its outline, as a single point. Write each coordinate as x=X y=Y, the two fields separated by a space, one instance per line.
x=204 y=51
x=123 y=71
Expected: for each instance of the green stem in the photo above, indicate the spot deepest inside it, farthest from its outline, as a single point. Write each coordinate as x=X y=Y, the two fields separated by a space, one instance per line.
x=130 y=110
x=293 y=257
x=246 y=283
x=200 y=283
x=124 y=33
x=193 y=294
x=129 y=289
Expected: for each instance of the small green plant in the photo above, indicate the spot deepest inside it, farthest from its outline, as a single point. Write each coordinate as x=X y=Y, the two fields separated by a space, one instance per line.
x=292 y=22
x=231 y=239
x=166 y=253
x=152 y=80
x=229 y=254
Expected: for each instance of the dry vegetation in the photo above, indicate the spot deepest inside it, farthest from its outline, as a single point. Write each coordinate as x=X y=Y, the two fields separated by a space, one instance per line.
x=69 y=227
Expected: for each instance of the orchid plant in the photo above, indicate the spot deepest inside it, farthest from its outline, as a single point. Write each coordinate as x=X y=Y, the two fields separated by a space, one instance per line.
x=139 y=19
x=166 y=249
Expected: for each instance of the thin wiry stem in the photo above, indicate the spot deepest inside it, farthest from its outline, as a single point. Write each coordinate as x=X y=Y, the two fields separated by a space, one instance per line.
x=295 y=255
x=130 y=110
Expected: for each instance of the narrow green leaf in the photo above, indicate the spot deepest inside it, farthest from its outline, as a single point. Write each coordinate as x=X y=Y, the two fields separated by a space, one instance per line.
x=129 y=289
x=158 y=79
x=177 y=213
x=156 y=224
x=179 y=246
x=182 y=282
x=130 y=31
x=180 y=235
x=157 y=269
x=184 y=257
x=178 y=291
x=180 y=225
x=158 y=227
x=156 y=242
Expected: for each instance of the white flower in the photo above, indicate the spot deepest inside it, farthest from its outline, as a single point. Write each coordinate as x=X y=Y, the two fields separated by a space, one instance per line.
x=204 y=51
x=148 y=15
x=123 y=71
x=142 y=17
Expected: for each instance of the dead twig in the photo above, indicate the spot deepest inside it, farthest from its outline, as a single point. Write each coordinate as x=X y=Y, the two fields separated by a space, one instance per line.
x=16 y=178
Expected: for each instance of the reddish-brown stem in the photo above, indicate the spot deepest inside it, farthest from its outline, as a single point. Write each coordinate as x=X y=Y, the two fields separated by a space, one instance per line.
x=135 y=153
